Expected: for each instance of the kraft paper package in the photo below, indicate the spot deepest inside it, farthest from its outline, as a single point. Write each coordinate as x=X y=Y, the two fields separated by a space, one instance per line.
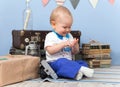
x=16 y=68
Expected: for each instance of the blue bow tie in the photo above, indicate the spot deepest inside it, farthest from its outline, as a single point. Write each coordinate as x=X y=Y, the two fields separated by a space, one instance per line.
x=60 y=36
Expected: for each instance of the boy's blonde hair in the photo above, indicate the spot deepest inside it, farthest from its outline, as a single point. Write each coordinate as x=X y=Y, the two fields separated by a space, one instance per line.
x=58 y=11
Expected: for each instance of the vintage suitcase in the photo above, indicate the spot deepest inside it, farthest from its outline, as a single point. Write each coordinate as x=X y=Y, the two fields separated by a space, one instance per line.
x=21 y=38
x=94 y=63
x=97 y=55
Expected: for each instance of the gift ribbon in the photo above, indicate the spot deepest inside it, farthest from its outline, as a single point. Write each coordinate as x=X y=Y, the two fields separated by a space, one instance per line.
x=3 y=59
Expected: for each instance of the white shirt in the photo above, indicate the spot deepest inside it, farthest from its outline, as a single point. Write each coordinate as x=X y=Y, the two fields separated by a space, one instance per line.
x=52 y=39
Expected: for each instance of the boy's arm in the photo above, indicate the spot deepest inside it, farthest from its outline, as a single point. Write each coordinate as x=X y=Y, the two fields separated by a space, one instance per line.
x=74 y=45
x=57 y=47
x=75 y=49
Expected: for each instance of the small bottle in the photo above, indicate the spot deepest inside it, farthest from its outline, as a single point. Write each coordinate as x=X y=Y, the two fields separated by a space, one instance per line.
x=27 y=17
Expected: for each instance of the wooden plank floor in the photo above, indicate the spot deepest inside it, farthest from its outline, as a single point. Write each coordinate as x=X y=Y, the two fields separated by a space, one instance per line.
x=103 y=77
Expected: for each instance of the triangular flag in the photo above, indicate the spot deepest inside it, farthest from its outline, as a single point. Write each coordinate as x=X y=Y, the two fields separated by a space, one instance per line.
x=112 y=1
x=45 y=2
x=93 y=3
x=74 y=3
x=60 y=2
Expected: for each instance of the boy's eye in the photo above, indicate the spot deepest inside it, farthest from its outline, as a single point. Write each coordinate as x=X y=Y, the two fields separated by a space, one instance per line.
x=65 y=27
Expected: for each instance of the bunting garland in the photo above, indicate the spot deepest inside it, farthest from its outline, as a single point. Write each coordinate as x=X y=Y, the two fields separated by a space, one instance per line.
x=60 y=2
x=112 y=1
x=45 y=2
x=93 y=3
x=74 y=3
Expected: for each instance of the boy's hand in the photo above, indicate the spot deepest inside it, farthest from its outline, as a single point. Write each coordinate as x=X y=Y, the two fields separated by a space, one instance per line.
x=73 y=42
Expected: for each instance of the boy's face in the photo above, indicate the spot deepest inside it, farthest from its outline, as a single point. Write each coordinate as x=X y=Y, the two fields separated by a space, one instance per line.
x=62 y=24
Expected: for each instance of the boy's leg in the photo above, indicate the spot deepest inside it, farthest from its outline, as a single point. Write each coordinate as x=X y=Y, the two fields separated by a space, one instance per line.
x=87 y=71
x=79 y=76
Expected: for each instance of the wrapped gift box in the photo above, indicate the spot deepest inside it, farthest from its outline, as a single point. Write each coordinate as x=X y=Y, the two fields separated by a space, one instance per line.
x=16 y=68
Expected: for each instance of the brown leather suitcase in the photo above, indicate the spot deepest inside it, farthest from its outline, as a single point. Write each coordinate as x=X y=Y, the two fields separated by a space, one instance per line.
x=21 y=38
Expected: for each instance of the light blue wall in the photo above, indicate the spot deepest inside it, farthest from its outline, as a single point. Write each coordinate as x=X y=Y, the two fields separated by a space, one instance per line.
x=101 y=23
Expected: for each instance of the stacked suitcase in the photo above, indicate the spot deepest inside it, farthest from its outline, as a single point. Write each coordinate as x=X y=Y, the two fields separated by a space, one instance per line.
x=21 y=39
x=97 y=55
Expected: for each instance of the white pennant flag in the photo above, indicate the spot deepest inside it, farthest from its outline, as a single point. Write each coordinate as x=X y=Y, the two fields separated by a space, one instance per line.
x=93 y=3
x=60 y=2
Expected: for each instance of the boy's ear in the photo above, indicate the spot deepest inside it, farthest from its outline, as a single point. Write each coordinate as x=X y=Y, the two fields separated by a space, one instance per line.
x=53 y=24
